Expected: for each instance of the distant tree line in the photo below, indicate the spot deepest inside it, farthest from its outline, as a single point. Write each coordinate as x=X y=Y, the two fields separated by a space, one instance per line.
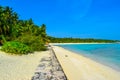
x=78 y=40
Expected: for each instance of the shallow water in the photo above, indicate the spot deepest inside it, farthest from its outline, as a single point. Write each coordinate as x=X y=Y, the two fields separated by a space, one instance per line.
x=107 y=54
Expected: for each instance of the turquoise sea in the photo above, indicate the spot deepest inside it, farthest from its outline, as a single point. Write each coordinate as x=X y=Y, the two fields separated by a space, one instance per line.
x=107 y=54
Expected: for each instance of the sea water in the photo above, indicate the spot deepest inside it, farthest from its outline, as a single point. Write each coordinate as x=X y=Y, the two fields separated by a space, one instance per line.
x=107 y=54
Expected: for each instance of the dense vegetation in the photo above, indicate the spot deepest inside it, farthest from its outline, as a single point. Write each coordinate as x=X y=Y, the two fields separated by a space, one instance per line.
x=16 y=48
x=78 y=40
x=25 y=32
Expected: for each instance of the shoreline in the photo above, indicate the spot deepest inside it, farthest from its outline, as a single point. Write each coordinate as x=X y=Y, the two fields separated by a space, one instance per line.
x=98 y=60
x=53 y=44
x=78 y=67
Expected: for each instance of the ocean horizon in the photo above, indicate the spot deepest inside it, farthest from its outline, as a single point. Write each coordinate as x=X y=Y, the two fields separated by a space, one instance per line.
x=106 y=54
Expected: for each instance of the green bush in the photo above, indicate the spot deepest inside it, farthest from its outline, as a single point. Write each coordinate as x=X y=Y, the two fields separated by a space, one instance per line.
x=14 y=47
x=34 y=42
x=37 y=46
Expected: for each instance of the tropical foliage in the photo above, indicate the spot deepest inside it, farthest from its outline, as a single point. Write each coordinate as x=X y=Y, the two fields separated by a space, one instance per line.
x=16 y=48
x=8 y=21
x=23 y=31
x=34 y=42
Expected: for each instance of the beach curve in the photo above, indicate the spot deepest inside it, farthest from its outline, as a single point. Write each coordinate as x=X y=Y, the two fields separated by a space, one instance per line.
x=77 y=67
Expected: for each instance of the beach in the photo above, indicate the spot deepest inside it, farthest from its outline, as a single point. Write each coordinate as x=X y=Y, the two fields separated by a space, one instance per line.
x=76 y=43
x=78 y=67
x=75 y=66
x=14 y=67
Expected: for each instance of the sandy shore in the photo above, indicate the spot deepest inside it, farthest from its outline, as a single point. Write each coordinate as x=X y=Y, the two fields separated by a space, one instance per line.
x=19 y=67
x=76 y=43
x=77 y=67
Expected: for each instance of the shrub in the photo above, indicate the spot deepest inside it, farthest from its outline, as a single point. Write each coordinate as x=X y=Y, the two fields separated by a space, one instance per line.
x=14 y=47
x=34 y=42
x=37 y=46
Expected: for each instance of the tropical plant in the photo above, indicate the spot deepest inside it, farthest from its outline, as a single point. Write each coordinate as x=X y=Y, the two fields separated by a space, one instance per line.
x=8 y=20
x=34 y=42
x=11 y=27
x=14 y=47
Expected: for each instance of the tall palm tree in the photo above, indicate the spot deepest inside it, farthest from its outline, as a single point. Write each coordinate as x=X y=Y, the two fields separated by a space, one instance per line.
x=43 y=33
x=8 y=21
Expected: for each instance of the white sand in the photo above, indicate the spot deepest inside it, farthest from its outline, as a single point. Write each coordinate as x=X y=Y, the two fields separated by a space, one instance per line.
x=14 y=67
x=76 y=43
x=77 y=67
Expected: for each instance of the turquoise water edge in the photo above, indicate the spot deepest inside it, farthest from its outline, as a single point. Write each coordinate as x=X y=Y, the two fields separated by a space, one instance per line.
x=107 y=54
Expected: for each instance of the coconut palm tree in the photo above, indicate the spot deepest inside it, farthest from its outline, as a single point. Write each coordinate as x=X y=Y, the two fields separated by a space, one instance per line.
x=8 y=21
x=43 y=33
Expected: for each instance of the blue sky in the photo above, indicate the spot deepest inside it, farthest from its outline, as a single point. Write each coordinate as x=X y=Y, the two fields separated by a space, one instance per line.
x=72 y=18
